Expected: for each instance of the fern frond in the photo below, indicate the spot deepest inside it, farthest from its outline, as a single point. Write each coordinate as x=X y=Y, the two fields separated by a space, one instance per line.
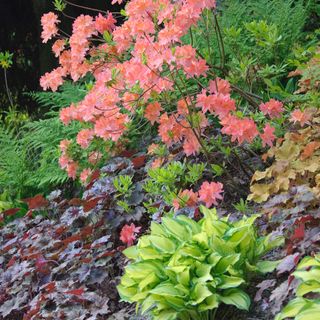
x=29 y=162
x=14 y=164
x=69 y=93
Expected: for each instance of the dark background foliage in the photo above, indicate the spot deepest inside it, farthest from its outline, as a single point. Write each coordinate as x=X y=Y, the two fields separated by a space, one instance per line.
x=20 y=31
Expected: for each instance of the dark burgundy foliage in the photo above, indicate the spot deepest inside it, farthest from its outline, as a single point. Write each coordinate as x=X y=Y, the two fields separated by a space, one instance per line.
x=63 y=259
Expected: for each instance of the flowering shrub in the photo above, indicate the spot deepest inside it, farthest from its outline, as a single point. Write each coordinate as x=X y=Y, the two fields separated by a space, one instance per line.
x=145 y=68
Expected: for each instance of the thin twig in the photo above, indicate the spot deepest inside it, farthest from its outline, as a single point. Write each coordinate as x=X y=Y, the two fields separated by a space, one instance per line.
x=67 y=16
x=7 y=88
x=84 y=7
x=243 y=165
x=221 y=40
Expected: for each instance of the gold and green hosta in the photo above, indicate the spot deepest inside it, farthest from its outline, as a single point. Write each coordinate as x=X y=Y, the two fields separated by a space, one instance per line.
x=185 y=269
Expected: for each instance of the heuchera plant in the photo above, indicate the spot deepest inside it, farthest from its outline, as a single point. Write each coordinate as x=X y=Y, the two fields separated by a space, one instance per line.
x=296 y=160
x=184 y=269
x=145 y=67
x=55 y=269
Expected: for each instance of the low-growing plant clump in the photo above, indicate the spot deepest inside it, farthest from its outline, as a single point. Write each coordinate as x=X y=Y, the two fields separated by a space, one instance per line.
x=186 y=269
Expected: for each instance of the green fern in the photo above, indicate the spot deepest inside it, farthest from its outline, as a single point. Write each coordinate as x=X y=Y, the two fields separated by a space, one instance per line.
x=43 y=136
x=42 y=140
x=29 y=161
x=14 y=164
x=69 y=93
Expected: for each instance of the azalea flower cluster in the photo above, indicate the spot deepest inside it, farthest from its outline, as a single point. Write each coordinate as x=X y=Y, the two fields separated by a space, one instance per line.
x=66 y=162
x=128 y=234
x=209 y=193
x=137 y=65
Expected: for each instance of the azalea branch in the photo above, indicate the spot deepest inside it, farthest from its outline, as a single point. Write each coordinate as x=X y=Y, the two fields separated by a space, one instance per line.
x=191 y=36
x=85 y=7
x=138 y=126
x=157 y=74
x=252 y=95
x=141 y=94
x=220 y=51
x=99 y=39
x=206 y=151
x=208 y=63
x=67 y=16
x=178 y=121
x=251 y=152
x=243 y=165
x=207 y=36
x=106 y=110
x=245 y=95
x=219 y=35
x=200 y=84
x=65 y=34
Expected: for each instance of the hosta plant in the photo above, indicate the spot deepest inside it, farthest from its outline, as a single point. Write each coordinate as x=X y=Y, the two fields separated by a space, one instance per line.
x=185 y=269
x=301 y=308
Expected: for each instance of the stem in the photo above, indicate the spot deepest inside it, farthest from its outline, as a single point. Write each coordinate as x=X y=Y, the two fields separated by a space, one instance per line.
x=67 y=16
x=66 y=34
x=247 y=96
x=191 y=36
x=177 y=121
x=208 y=63
x=7 y=88
x=221 y=40
x=219 y=47
x=242 y=165
x=251 y=152
x=213 y=314
x=229 y=175
x=208 y=39
x=84 y=7
x=205 y=150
